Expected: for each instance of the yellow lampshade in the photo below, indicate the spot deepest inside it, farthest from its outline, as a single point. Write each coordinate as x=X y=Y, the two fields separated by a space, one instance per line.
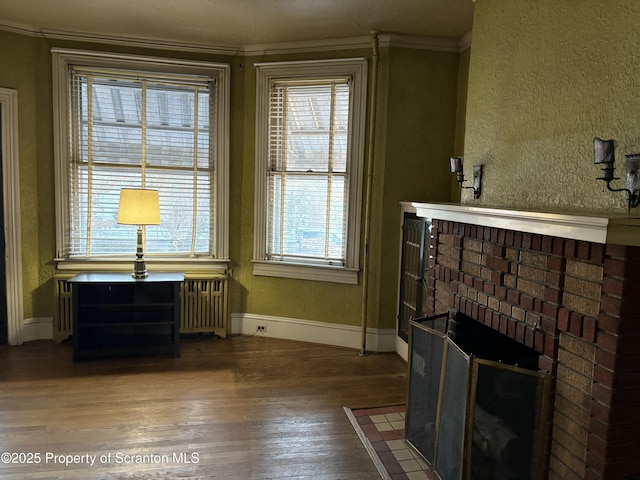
x=139 y=207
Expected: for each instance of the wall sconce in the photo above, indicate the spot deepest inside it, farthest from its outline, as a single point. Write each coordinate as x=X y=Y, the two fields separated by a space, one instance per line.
x=456 y=167
x=139 y=207
x=604 y=155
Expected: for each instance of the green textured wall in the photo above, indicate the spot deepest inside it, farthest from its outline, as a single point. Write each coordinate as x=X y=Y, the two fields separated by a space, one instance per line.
x=416 y=141
x=25 y=69
x=545 y=77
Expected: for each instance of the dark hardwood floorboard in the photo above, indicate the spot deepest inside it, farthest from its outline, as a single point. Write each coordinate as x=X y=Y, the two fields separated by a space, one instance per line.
x=244 y=408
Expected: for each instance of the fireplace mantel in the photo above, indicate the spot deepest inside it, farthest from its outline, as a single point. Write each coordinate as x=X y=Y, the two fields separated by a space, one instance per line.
x=592 y=227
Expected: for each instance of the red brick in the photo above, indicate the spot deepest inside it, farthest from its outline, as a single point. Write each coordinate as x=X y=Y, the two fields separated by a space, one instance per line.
x=550 y=346
x=509 y=238
x=497 y=277
x=589 y=329
x=546 y=364
x=538 y=344
x=497 y=250
x=570 y=248
x=513 y=296
x=611 y=305
x=526 y=301
x=605 y=359
x=613 y=286
x=548 y=325
x=536 y=243
x=528 y=337
x=563 y=319
x=550 y=310
x=538 y=304
x=597 y=253
x=488 y=288
x=495 y=321
x=547 y=244
x=575 y=324
x=553 y=295
x=478 y=284
x=504 y=324
x=553 y=279
x=614 y=267
x=558 y=246
x=601 y=394
x=500 y=291
x=619 y=251
x=527 y=239
x=488 y=317
x=520 y=332
x=499 y=264
x=517 y=239
x=597 y=446
x=511 y=328
x=608 y=341
x=556 y=264
x=583 y=250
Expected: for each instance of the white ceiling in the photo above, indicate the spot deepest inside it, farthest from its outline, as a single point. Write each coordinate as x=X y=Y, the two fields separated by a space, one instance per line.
x=239 y=23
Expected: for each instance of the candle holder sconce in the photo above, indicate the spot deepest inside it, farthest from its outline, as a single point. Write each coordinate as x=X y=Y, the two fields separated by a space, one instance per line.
x=456 y=167
x=604 y=155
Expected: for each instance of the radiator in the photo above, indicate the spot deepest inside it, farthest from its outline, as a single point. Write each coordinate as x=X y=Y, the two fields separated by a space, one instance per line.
x=204 y=305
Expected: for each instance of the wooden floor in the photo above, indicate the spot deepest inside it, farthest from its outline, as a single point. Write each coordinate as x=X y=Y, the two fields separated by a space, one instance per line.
x=241 y=408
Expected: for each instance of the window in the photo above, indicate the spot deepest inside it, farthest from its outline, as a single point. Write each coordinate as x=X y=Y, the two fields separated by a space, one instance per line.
x=309 y=158
x=132 y=122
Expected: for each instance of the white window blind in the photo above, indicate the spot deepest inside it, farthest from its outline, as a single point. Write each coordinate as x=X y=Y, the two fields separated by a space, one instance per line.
x=141 y=130
x=308 y=174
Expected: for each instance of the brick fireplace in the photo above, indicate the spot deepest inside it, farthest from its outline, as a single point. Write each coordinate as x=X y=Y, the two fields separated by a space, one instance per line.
x=568 y=287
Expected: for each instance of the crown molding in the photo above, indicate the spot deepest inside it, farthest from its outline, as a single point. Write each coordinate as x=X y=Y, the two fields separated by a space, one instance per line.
x=350 y=43
x=139 y=42
x=353 y=43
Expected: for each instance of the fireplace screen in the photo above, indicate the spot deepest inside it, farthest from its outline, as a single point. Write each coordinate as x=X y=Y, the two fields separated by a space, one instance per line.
x=472 y=418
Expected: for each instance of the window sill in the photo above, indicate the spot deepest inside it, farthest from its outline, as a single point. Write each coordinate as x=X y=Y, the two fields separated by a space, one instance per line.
x=209 y=265
x=306 y=272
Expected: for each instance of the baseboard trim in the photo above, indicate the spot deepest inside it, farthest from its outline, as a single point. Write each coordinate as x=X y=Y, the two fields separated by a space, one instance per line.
x=39 y=328
x=377 y=340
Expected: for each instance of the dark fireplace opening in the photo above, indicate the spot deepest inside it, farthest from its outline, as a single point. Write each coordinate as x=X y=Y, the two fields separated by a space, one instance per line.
x=474 y=411
x=476 y=339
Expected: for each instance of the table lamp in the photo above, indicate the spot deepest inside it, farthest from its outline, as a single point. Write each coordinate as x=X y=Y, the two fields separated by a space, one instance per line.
x=139 y=207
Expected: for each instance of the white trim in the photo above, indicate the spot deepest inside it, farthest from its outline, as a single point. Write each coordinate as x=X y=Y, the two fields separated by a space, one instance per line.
x=158 y=265
x=378 y=340
x=39 y=328
x=590 y=227
x=354 y=43
x=63 y=58
x=11 y=207
x=306 y=272
x=465 y=42
x=402 y=349
x=349 y=43
x=314 y=69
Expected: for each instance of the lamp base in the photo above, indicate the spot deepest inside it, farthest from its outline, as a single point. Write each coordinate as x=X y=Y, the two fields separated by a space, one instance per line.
x=139 y=266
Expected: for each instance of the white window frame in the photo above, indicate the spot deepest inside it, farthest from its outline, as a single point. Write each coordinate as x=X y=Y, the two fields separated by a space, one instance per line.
x=267 y=72
x=62 y=59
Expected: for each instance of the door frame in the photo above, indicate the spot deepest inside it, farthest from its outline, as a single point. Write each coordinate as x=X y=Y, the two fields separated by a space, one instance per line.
x=11 y=208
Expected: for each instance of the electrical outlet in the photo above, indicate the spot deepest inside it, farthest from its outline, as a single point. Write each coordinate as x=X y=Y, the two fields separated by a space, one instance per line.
x=261 y=328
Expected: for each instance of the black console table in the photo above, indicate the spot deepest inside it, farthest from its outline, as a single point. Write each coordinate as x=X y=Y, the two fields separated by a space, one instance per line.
x=115 y=314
